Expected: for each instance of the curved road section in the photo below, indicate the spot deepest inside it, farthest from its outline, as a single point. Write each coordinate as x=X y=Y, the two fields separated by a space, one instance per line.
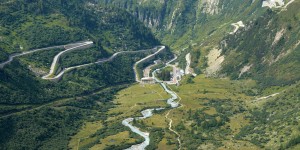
x=11 y=57
x=137 y=79
x=58 y=77
x=56 y=58
x=71 y=47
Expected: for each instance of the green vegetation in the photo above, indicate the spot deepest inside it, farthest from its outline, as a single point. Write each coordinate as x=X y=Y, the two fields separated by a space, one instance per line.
x=39 y=114
x=41 y=60
x=277 y=114
x=37 y=35
x=52 y=125
x=294 y=141
x=112 y=134
x=182 y=23
x=209 y=105
x=217 y=113
x=20 y=86
x=163 y=56
x=37 y=24
x=75 y=58
x=257 y=108
x=223 y=113
x=165 y=74
x=274 y=62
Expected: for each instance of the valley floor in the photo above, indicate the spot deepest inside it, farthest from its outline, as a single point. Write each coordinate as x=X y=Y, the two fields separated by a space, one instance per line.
x=215 y=114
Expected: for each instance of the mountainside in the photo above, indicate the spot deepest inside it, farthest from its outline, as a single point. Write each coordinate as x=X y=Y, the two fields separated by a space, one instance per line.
x=150 y=74
x=256 y=40
x=41 y=114
x=39 y=24
x=36 y=24
x=179 y=23
x=267 y=49
x=210 y=24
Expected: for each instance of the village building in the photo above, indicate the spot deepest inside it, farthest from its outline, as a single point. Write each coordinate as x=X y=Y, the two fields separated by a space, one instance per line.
x=148 y=80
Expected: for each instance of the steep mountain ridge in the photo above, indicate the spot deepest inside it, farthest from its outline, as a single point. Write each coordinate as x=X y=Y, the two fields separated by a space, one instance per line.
x=179 y=23
x=269 y=46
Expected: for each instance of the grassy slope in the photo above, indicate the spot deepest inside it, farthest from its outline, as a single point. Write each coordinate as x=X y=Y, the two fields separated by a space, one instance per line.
x=273 y=64
x=216 y=113
x=129 y=102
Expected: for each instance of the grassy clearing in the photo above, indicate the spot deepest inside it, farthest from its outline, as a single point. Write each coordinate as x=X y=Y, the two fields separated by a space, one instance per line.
x=209 y=96
x=129 y=103
x=86 y=130
x=163 y=144
x=237 y=122
x=211 y=111
x=157 y=120
x=132 y=100
x=120 y=138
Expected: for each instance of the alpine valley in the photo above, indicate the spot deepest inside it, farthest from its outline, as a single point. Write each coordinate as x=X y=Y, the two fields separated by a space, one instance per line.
x=150 y=74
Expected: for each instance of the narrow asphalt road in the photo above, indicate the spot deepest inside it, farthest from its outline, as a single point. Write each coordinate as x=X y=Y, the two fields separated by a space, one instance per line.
x=12 y=56
x=56 y=58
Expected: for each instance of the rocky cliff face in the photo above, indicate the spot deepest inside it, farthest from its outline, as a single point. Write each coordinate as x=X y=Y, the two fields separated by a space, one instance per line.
x=268 y=49
x=210 y=6
x=177 y=22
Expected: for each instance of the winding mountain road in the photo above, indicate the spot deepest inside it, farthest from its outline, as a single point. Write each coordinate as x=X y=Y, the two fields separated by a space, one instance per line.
x=56 y=58
x=57 y=77
x=137 y=78
x=146 y=113
x=71 y=47
x=12 y=56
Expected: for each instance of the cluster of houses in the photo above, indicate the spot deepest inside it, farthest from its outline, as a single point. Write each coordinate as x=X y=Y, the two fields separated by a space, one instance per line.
x=176 y=74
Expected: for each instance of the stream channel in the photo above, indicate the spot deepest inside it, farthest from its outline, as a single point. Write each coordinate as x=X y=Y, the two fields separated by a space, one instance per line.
x=146 y=114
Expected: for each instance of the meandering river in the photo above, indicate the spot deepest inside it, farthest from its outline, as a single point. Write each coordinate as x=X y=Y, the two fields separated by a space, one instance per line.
x=146 y=114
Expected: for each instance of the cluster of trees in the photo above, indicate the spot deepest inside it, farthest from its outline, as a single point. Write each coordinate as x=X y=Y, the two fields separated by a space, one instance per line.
x=39 y=36
x=278 y=114
x=56 y=22
x=42 y=59
x=294 y=141
x=19 y=85
x=3 y=55
x=206 y=121
x=200 y=127
x=164 y=75
x=155 y=137
x=76 y=57
x=52 y=126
